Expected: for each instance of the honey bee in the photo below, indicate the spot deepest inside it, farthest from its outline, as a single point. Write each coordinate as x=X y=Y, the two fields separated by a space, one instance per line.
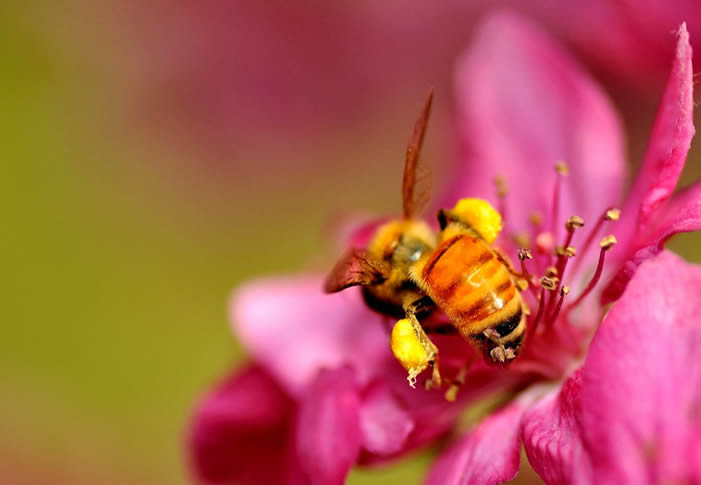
x=407 y=270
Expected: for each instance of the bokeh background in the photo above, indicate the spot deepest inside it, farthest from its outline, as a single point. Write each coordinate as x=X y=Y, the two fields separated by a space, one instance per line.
x=155 y=156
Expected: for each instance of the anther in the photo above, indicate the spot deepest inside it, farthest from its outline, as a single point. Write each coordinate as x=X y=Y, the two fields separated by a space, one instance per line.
x=551 y=273
x=452 y=393
x=562 y=168
x=549 y=283
x=568 y=252
x=527 y=281
x=606 y=244
x=522 y=240
x=564 y=254
x=535 y=218
x=502 y=192
x=574 y=222
x=500 y=182
x=612 y=214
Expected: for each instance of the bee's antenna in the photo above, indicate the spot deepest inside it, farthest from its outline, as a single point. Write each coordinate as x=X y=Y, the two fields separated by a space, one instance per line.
x=410 y=202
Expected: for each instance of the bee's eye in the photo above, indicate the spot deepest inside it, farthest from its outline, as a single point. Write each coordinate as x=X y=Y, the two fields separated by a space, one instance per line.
x=391 y=248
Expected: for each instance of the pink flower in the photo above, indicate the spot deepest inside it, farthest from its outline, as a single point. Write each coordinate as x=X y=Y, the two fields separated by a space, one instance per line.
x=325 y=392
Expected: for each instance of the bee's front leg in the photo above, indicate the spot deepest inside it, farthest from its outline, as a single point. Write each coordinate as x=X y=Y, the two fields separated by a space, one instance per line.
x=509 y=266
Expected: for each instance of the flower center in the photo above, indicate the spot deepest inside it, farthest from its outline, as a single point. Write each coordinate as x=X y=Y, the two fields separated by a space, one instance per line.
x=548 y=291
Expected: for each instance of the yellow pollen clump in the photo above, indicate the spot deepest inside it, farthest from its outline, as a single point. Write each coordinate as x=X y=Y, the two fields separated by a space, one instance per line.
x=409 y=350
x=481 y=216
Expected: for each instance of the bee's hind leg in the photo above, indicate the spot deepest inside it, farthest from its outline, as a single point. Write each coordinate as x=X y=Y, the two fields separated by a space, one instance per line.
x=411 y=346
x=419 y=307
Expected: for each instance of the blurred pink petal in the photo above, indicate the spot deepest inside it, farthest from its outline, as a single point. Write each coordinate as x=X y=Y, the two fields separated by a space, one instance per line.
x=490 y=454
x=681 y=214
x=523 y=106
x=293 y=329
x=635 y=413
x=240 y=431
x=328 y=427
x=628 y=41
x=668 y=145
x=384 y=422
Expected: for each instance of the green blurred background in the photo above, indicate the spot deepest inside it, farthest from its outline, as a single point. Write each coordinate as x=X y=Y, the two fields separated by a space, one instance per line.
x=126 y=229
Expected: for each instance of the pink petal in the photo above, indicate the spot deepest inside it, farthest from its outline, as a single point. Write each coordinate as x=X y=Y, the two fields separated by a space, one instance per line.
x=293 y=330
x=239 y=431
x=551 y=436
x=523 y=106
x=666 y=152
x=490 y=454
x=384 y=422
x=680 y=214
x=328 y=427
x=641 y=384
x=632 y=413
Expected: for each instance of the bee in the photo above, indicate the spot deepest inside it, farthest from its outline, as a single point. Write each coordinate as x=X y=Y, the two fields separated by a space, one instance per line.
x=407 y=270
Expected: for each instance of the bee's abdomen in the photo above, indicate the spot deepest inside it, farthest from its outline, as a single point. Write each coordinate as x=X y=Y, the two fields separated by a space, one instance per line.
x=471 y=285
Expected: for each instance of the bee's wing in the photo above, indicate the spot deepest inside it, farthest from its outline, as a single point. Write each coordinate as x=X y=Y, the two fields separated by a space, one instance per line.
x=415 y=183
x=356 y=267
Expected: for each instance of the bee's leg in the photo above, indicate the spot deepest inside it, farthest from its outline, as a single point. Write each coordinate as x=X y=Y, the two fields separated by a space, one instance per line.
x=412 y=347
x=497 y=353
x=435 y=380
x=501 y=353
x=420 y=306
x=510 y=267
x=423 y=306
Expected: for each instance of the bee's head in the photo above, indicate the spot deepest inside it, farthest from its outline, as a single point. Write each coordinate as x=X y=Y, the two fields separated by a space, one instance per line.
x=402 y=241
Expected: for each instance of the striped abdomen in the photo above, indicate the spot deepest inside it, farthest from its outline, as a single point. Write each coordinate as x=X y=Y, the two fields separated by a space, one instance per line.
x=473 y=287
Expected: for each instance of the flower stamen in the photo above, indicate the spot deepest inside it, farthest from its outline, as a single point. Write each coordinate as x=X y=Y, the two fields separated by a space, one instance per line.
x=502 y=192
x=451 y=393
x=564 y=291
x=524 y=255
x=561 y=170
x=541 y=309
x=563 y=256
x=564 y=253
x=606 y=243
x=611 y=214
